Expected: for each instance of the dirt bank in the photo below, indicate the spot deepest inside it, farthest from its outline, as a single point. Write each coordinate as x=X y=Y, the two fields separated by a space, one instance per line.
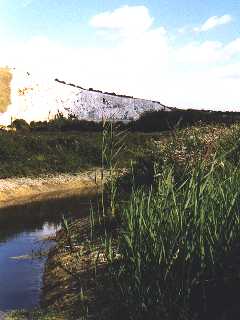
x=16 y=191
x=76 y=281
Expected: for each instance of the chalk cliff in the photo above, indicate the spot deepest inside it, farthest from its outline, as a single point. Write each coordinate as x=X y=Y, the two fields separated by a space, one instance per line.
x=37 y=98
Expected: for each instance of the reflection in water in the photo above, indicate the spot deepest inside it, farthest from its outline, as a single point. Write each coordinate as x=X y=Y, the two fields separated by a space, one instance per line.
x=21 y=230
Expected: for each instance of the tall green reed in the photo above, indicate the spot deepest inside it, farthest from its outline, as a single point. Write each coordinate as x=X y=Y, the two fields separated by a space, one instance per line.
x=175 y=241
x=112 y=145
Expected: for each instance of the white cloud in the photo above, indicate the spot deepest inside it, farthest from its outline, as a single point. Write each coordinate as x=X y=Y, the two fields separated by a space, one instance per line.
x=143 y=62
x=200 y=53
x=233 y=47
x=208 y=52
x=214 y=22
x=126 y=19
x=183 y=30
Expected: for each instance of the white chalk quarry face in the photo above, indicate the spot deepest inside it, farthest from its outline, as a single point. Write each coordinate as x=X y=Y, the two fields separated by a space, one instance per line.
x=32 y=98
x=37 y=98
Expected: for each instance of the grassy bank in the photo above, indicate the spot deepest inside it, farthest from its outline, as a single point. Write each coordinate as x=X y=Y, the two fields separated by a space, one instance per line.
x=34 y=154
x=164 y=241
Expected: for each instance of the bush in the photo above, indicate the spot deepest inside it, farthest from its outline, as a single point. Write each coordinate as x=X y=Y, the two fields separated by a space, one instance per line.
x=20 y=124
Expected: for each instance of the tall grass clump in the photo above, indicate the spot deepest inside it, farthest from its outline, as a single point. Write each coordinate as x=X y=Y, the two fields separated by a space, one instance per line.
x=179 y=245
x=113 y=143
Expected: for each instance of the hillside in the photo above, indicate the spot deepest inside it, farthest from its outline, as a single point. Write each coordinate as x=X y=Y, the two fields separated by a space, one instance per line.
x=36 y=98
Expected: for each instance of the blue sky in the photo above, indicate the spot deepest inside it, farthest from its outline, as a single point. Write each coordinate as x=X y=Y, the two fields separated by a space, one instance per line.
x=181 y=52
x=67 y=20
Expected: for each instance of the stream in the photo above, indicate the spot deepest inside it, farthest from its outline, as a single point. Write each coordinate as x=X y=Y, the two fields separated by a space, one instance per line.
x=22 y=232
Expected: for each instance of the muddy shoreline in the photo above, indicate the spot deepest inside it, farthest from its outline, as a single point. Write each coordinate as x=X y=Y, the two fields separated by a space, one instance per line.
x=60 y=289
x=18 y=191
x=78 y=288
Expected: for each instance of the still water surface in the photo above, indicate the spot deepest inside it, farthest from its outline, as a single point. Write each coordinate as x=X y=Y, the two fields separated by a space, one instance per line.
x=21 y=231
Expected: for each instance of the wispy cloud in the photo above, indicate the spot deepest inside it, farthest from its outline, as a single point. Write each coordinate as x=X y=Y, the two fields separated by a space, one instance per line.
x=26 y=3
x=214 y=22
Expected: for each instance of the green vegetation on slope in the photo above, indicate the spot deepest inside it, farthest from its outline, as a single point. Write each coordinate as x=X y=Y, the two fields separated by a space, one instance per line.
x=149 y=121
x=24 y=153
x=164 y=242
x=179 y=239
x=32 y=154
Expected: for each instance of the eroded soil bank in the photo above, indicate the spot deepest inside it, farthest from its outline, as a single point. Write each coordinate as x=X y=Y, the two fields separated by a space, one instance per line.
x=17 y=191
x=76 y=281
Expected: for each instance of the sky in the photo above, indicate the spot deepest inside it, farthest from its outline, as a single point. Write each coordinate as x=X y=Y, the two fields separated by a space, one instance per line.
x=184 y=53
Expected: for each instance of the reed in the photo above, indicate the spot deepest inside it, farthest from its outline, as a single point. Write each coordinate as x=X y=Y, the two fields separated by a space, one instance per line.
x=113 y=143
x=177 y=241
x=170 y=248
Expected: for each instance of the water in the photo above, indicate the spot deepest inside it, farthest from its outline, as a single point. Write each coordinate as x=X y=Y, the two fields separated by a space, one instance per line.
x=22 y=229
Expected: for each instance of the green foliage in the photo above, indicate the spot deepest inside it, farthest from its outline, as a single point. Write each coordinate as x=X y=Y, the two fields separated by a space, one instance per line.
x=33 y=154
x=149 y=121
x=20 y=125
x=230 y=145
x=152 y=121
x=169 y=240
x=178 y=251
x=182 y=150
x=35 y=315
x=61 y=123
x=178 y=245
x=172 y=248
